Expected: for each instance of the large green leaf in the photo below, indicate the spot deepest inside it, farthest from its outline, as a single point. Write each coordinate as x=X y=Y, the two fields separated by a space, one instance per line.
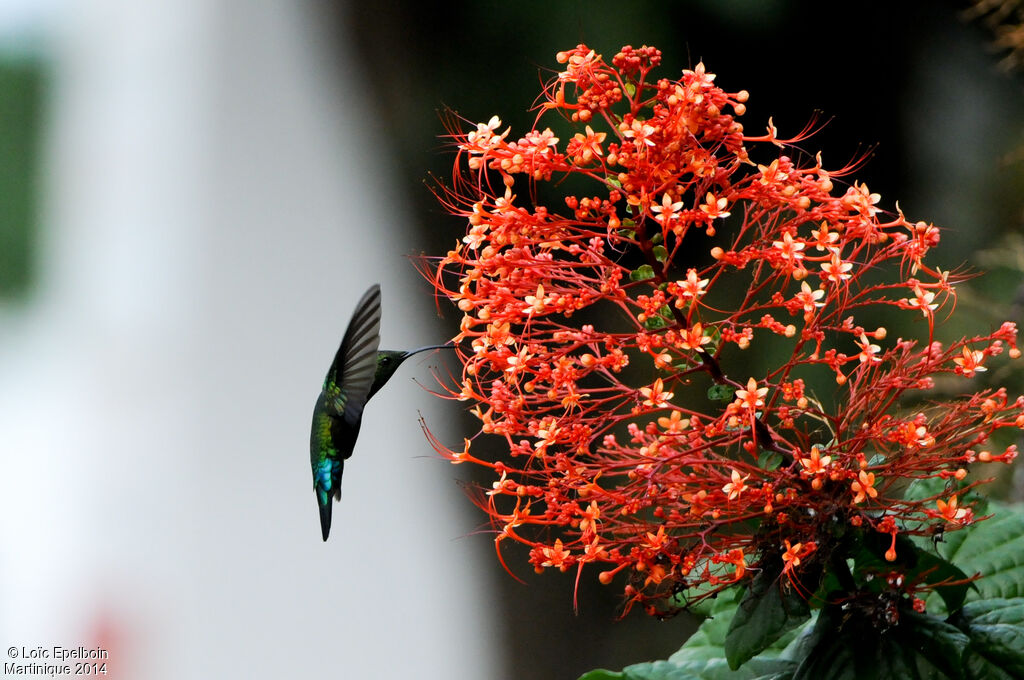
x=703 y=655
x=755 y=669
x=993 y=548
x=996 y=631
x=938 y=642
x=850 y=645
x=769 y=610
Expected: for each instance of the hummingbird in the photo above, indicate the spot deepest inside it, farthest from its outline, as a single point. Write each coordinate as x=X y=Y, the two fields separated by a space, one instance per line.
x=357 y=373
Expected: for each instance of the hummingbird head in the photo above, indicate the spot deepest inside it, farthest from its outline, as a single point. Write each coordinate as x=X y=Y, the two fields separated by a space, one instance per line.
x=388 y=362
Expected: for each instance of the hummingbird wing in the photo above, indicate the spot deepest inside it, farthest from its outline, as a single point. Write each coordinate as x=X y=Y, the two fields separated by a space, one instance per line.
x=355 y=363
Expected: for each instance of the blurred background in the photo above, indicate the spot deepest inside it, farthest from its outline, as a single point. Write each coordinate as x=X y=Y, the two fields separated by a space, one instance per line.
x=194 y=194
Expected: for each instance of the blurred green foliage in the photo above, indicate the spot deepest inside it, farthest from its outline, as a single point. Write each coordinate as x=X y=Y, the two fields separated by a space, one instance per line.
x=22 y=83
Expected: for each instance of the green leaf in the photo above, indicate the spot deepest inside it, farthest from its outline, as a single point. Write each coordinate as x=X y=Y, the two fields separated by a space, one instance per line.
x=770 y=460
x=601 y=674
x=996 y=631
x=662 y=319
x=757 y=669
x=708 y=642
x=920 y=489
x=993 y=548
x=642 y=273
x=657 y=238
x=703 y=655
x=940 y=643
x=849 y=644
x=660 y=254
x=721 y=392
x=939 y=570
x=768 y=610
x=826 y=656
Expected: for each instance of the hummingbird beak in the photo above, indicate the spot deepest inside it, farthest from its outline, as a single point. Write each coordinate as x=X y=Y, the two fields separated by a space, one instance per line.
x=447 y=345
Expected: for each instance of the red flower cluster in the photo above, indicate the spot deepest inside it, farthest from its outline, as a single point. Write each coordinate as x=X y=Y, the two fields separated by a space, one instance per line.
x=598 y=338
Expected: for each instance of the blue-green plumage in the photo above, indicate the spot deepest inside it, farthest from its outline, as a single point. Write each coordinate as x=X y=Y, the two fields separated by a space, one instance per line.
x=358 y=371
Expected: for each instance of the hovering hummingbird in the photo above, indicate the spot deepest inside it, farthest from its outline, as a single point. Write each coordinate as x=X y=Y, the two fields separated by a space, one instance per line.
x=358 y=371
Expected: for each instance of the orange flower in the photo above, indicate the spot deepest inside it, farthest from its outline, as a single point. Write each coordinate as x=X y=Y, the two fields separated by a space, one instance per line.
x=556 y=556
x=674 y=423
x=694 y=338
x=864 y=487
x=868 y=351
x=837 y=270
x=737 y=486
x=752 y=397
x=969 y=362
x=692 y=288
x=791 y=556
x=815 y=466
x=656 y=395
x=951 y=513
x=715 y=208
x=922 y=300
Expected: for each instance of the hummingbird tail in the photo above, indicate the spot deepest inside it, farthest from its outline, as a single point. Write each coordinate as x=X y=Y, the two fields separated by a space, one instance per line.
x=325 y=517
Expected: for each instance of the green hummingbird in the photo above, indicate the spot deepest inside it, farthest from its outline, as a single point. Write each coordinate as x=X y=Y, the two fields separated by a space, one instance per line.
x=358 y=371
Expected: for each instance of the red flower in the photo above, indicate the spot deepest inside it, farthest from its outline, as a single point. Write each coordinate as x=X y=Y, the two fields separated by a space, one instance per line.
x=593 y=327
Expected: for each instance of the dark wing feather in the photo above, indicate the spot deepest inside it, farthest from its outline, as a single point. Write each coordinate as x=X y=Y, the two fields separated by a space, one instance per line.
x=355 y=364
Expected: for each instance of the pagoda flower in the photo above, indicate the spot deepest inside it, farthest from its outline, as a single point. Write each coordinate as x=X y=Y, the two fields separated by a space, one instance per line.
x=922 y=300
x=587 y=146
x=864 y=487
x=736 y=487
x=690 y=288
x=791 y=250
x=715 y=208
x=860 y=198
x=656 y=396
x=639 y=131
x=674 y=423
x=483 y=137
x=810 y=299
x=694 y=338
x=969 y=362
x=814 y=466
x=665 y=212
x=557 y=556
x=824 y=238
x=791 y=556
x=536 y=303
x=736 y=558
x=752 y=397
x=836 y=269
x=770 y=174
x=951 y=512
x=868 y=351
